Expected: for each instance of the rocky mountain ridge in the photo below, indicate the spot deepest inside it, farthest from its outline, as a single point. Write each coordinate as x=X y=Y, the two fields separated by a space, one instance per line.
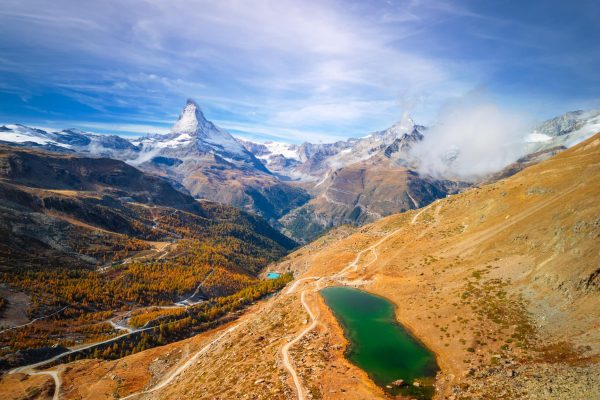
x=302 y=189
x=500 y=282
x=197 y=156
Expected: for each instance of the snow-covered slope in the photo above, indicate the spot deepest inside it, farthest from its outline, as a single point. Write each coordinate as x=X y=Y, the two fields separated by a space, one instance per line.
x=69 y=140
x=23 y=134
x=193 y=136
x=193 y=126
x=567 y=130
x=311 y=162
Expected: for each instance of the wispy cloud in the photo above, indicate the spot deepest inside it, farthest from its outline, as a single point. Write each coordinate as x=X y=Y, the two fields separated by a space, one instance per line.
x=262 y=133
x=323 y=67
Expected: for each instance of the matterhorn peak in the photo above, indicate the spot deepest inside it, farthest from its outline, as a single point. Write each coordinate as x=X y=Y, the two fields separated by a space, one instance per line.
x=190 y=119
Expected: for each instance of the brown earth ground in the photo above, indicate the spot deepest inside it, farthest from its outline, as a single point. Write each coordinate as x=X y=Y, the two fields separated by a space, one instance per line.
x=501 y=282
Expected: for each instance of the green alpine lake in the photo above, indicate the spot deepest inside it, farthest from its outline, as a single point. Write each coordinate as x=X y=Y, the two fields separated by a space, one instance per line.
x=379 y=345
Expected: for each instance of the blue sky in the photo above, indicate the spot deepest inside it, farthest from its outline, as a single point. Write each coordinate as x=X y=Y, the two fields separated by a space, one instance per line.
x=290 y=70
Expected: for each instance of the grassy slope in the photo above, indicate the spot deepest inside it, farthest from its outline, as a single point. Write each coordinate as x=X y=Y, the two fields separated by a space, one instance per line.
x=63 y=216
x=508 y=270
x=501 y=282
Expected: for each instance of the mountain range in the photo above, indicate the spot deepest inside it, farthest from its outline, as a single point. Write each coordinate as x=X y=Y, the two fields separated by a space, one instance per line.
x=301 y=189
x=112 y=255
x=501 y=282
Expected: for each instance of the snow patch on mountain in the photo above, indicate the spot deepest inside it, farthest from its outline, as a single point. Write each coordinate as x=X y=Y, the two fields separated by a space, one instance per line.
x=162 y=142
x=189 y=119
x=537 y=137
x=23 y=134
x=289 y=151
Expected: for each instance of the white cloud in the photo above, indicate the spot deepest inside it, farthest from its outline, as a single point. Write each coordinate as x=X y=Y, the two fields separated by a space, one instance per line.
x=325 y=68
x=341 y=113
x=472 y=137
x=261 y=133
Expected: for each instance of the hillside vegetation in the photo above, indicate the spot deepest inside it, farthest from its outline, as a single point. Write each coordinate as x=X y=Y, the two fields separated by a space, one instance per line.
x=87 y=238
x=501 y=282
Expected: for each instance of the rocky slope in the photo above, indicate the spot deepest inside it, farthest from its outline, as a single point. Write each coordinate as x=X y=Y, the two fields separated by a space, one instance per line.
x=364 y=192
x=500 y=281
x=212 y=164
x=65 y=210
x=206 y=161
x=360 y=180
x=381 y=183
x=92 y=247
x=301 y=189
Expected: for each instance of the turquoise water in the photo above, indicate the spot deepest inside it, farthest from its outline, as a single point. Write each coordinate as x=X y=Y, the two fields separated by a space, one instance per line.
x=273 y=275
x=378 y=344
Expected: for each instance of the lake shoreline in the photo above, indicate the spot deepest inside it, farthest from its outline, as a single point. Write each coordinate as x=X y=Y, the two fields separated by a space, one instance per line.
x=360 y=314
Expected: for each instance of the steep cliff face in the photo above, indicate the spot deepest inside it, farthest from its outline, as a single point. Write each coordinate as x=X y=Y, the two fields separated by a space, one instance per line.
x=211 y=164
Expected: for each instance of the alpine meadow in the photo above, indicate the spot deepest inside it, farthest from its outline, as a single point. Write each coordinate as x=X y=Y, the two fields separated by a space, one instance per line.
x=299 y=200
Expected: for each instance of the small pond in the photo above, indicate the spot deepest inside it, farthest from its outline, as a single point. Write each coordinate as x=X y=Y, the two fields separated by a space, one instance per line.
x=379 y=345
x=273 y=275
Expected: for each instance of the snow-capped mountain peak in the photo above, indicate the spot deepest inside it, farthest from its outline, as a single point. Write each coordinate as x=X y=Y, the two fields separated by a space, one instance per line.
x=207 y=137
x=403 y=127
x=192 y=138
x=191 y=120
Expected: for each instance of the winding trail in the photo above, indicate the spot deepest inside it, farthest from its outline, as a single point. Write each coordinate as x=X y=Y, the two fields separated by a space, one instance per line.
x=511 y=220
x=119 y=325
x=57 y=381
x=353 y=265
x=285 y=351
x=416 y=216
x=31 y=368
x=188 y=302
x=33 y=320
x=170 y=377
x=293 y=287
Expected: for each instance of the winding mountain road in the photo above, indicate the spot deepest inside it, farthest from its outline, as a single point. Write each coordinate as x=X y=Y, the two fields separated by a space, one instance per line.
x=170 y=377
x=353 y=265
x=31 y=368
x=188 y=302
x=57 y=381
